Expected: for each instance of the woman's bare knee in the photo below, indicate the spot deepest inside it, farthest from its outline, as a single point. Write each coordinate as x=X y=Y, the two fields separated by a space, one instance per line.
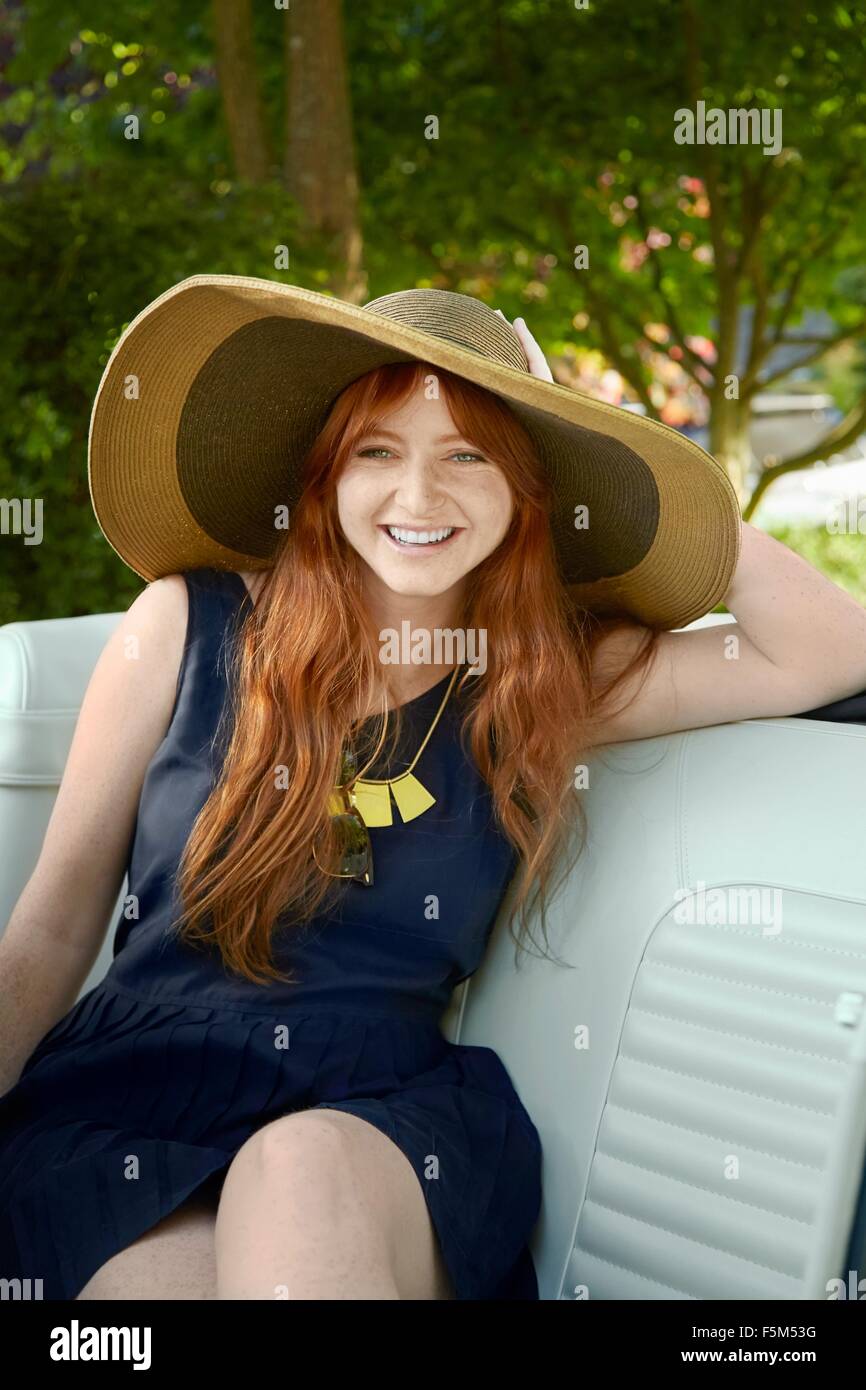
x=174 y=1260
x=324 y=1205
x=290 y=1224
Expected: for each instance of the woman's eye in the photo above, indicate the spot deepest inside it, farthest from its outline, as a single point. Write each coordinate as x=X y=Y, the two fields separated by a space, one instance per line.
x=462 y=454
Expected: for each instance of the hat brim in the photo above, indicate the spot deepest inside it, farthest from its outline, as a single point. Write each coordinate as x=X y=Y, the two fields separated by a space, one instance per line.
x=214 y=393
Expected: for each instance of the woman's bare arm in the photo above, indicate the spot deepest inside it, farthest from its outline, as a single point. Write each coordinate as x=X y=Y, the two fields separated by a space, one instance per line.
x=799 y=642
x=59 y=922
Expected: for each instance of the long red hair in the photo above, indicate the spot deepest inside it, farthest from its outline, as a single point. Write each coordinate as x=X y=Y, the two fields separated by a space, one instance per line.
x=306 y=668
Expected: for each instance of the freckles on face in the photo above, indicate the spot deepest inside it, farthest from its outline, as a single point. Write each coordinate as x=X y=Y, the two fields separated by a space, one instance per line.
x=422 y=505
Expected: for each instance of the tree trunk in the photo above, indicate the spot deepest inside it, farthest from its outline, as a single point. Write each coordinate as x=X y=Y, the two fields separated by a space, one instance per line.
x=239 y=86
x=320 y=170
x=729 y=442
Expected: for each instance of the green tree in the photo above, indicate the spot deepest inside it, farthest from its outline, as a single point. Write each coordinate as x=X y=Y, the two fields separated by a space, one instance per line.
x=386 y=145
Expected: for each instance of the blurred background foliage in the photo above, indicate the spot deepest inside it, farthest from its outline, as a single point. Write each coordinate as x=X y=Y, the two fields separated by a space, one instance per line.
x=471 y=147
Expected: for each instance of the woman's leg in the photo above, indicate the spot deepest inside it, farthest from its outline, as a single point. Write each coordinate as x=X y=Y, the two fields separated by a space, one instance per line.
x=321 y=1204
x=173 y=1260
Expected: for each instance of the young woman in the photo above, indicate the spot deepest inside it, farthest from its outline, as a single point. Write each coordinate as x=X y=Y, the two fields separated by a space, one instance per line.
x=258 y=1101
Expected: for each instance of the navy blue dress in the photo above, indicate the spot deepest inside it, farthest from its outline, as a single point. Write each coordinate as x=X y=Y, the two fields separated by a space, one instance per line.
x=151 y=1083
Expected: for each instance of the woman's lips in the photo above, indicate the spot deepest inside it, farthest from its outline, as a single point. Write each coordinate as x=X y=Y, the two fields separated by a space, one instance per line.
x=407 y=547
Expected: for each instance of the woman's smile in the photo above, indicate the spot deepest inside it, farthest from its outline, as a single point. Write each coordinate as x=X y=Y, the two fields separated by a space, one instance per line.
x=416 y=488
x=416 y=541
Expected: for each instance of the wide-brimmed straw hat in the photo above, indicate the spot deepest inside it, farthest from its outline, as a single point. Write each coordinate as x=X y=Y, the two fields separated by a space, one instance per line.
x=215 y=392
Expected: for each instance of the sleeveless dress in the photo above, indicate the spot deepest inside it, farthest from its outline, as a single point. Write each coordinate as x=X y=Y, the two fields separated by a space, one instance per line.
x=146 y=1089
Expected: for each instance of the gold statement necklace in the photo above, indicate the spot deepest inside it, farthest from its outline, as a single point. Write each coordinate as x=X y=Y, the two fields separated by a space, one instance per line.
x=371 y=797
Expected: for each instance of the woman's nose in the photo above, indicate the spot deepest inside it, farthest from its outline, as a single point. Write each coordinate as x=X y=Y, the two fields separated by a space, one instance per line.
x=419 y=492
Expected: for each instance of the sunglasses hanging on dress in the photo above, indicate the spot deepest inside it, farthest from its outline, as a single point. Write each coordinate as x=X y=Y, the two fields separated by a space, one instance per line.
x=357 y=803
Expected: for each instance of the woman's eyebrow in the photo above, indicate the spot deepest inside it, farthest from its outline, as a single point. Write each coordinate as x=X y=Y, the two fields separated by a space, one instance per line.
x=443 y=438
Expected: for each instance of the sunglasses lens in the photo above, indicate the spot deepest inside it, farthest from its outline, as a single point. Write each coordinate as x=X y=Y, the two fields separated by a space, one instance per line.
x=356 y=859
x=348 y=766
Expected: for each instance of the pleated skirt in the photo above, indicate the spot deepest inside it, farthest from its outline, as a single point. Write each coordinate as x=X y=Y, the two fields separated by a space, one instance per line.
x=129 y=1106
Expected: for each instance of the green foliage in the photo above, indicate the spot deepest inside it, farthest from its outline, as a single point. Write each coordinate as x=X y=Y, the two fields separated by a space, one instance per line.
x=554 y=128
x=99 y=249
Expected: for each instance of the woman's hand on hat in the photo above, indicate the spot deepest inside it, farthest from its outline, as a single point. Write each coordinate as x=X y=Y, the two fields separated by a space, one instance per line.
x=534 y=356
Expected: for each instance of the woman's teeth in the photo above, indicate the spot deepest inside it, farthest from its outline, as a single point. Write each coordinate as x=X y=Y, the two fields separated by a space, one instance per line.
x=420 y=537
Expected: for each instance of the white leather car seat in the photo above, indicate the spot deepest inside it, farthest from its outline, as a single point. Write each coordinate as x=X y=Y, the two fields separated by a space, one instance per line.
x=697 y=1068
